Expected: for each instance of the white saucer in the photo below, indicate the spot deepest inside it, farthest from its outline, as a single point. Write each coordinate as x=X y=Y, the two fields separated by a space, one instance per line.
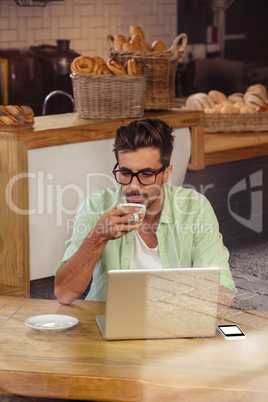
x=51 y=322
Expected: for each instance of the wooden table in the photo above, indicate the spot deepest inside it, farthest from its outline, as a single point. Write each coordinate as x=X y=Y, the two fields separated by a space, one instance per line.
x=79 y=364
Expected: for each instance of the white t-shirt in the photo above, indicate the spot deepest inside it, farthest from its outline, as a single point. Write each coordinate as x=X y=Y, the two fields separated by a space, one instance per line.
x=144 y=257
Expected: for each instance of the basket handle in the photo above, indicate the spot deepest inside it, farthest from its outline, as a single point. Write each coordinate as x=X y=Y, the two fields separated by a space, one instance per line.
x=174 y=45
x=110 y=40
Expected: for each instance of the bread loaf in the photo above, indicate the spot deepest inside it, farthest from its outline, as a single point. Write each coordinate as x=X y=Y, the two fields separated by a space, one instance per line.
x=236 y=97
x=227 y=108
x=258 y=89
x=199 y=101
x=158 y=45
x=253 y=99
x=12 y=115
x=238 y=105
x=217 y=96
x=247 y=109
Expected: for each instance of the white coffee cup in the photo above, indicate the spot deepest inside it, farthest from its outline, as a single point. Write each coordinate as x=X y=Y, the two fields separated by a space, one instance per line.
x=126 y=205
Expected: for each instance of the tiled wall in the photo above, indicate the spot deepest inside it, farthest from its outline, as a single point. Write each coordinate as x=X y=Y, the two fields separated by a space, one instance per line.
x=85 y=22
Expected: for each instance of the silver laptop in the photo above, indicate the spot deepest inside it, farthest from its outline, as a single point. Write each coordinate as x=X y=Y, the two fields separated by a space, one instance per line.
x=160 y=303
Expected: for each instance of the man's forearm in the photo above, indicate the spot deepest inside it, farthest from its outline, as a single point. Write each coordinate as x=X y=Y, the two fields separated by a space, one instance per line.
x=74 y=275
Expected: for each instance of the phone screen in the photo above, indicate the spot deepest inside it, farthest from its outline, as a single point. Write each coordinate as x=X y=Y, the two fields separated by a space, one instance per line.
x=231 y=331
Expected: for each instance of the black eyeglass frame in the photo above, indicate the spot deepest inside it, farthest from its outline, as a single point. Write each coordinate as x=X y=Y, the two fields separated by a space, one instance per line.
x=155 y=172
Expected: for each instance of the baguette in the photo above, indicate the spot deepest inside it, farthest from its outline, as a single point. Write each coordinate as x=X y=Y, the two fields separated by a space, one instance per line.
x=136 y=30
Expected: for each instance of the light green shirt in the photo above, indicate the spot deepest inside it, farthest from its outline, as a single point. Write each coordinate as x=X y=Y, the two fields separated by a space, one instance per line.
x=188 y=236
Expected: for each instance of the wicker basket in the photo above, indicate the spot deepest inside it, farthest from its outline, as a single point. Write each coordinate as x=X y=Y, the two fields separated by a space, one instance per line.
x=109 y=96
x=224 y=123
x=159 y=68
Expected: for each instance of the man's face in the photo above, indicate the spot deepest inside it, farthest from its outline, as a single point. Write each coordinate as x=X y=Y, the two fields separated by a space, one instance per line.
x=145 y=158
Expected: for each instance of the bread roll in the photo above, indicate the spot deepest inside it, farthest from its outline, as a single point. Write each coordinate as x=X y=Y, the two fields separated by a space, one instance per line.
x=13 y=115
x=217 y=96
x=259 y=90
x=82 y=65
x=199 y=101
x=263 y=108
x=236 y=97
x=98 y=64
x=217 y=108
x=253 y=99
x=158 y=45
x=193 y=103
x=27 y=111
x=210 y=111
x=128 y=46
x=227 y=108
x=238 y=106
x=9 y=121
x=88 y=65
x=116 y=68
x=246 y=109
x=104 y=70
x=11 y=109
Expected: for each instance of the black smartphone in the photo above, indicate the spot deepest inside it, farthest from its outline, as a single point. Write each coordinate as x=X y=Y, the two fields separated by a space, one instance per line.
x=231 y=332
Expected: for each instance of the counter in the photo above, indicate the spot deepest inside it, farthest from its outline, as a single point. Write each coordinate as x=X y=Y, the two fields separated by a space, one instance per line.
x=29 y=181
x=214 y=148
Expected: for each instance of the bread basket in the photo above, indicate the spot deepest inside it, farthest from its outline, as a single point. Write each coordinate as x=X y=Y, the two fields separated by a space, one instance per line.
x=235 y=122
x=159 y=69
x=109 y=96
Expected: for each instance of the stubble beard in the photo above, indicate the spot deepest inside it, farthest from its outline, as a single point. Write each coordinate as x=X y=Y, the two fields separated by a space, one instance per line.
x=149 y=200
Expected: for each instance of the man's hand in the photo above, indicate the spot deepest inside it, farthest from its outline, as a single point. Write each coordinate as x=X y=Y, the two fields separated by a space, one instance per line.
x=116 y=223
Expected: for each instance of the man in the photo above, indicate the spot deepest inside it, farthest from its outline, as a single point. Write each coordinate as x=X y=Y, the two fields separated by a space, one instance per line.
x=179 y=228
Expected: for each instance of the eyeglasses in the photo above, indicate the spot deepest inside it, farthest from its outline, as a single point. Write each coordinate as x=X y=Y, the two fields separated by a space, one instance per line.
x=146 y=177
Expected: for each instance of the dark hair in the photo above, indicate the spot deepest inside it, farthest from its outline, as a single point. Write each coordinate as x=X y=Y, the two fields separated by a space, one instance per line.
x=145 y=133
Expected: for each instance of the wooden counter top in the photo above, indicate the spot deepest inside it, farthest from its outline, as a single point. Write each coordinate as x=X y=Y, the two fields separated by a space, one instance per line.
x=69 y=128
